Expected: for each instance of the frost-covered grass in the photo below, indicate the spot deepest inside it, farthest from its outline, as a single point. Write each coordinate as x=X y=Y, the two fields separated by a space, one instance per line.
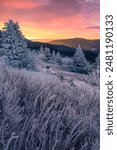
x=92 y=78
x=45 y=114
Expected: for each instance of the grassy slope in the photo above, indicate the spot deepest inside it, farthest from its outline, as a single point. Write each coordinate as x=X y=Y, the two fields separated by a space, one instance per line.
x=45 y=114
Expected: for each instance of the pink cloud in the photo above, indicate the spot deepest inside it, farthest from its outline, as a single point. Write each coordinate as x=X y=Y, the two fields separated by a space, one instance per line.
x=18 y=4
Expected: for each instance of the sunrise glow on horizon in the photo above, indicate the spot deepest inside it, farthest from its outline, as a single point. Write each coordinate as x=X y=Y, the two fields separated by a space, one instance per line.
x=53 y=19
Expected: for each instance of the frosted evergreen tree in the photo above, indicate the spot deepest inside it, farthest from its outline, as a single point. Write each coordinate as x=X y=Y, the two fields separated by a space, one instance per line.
x=53 y=56
x=47 y=53
x=79 y=58
x=80 y=61
x=41 y=50
x=1 y=49
x=14 y=45
x=58 y=58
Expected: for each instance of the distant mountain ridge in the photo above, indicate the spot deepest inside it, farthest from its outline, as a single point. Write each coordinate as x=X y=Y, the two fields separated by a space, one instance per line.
x=86 y=44
x=64 y=50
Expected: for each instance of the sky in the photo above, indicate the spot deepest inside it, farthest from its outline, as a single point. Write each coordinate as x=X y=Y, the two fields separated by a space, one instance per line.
x=53 y=19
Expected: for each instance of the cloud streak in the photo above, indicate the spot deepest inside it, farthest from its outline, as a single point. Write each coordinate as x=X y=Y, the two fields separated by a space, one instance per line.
x=93 y=27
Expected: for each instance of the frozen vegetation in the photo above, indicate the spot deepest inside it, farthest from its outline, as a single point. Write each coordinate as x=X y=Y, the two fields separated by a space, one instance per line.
x=47 y=102
x=45 y=114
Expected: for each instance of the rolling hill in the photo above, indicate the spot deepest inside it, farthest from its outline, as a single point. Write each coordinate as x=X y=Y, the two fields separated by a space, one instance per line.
x=92 y=45
x=64 y=50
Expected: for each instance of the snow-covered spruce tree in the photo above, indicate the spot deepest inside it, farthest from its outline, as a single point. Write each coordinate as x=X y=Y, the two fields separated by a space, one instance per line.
x=58 y=58
x=41 y=50
x=47 y=54
x=14 y=46
x=1 y=50
x=53 y=56
x=80 y=61
x=3 y=58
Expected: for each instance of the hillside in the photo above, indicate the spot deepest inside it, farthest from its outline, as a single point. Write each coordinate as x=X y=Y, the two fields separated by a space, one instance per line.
x=85 y=43
x=41 y=109
x=64 y=49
